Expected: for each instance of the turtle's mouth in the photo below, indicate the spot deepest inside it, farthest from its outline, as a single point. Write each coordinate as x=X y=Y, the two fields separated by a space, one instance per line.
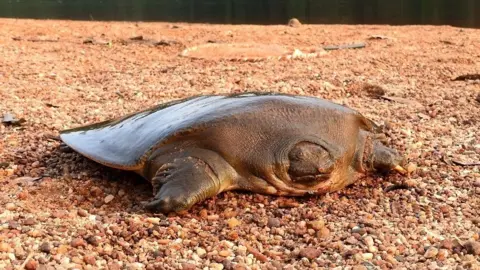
x=309 y=181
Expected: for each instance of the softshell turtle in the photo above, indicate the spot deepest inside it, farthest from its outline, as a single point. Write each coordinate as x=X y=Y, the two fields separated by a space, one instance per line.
x=195 y=148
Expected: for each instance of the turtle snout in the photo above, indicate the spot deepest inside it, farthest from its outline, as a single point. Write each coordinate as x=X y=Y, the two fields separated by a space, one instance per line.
x=385 y=158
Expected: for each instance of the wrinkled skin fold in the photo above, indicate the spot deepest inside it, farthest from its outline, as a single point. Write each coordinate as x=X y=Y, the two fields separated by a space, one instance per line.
x=277 y=144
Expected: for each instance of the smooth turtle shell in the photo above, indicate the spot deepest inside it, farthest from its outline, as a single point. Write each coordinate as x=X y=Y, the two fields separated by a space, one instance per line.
x=125 y=143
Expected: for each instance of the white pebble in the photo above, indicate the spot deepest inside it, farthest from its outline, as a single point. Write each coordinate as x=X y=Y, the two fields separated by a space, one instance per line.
x=216 y=266
x=368 y=241
x=228 y=243
x=200 y=251
x=242 y=250
x=153 y=220
x=109 y=198
x=431 y=252
x=367 y=256
x=10 y=206
x=135 y=266
x=195 y=257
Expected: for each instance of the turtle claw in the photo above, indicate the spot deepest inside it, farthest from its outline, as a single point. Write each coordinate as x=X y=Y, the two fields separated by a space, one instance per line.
x=167 y=205
x=172 y=197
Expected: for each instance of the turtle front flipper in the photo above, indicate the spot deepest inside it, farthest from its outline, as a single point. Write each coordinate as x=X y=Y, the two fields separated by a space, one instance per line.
x=188 y=179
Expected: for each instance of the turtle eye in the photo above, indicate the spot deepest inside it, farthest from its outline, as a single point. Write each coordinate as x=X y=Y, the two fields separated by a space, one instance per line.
x=310 y=162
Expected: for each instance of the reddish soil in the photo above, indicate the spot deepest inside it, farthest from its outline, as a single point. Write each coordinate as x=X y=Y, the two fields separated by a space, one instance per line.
x=59 y=210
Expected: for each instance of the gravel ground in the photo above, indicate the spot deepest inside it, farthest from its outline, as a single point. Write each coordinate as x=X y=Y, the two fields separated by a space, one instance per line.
x=59 y=210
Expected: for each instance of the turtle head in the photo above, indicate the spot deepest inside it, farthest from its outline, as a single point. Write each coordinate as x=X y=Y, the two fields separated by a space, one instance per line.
x=373 y=155
x=384 y=159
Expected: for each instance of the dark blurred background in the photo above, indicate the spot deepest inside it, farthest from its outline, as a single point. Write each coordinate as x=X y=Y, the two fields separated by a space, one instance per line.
x=464 y=13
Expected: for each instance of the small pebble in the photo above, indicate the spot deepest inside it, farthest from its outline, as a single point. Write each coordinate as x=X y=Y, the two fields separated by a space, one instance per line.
x=213 y=217
x=224 y=253
x=22 y=195
x=273 y=222
x=233 y=222
x=29 y=222
x=31 y=265
x=241 y=251
x=188 y=266
x=93 y=240
x=164 y=241
x=317 y=224
x=200 y=252
x=389 y=258
x=360 y=231
x=35 y=233
x=203 y=213
x=229 y=213
x=227 y=264
x=78 y=242
x=431 y=252
x=108 y=198
x=442 y=254
x=4 y=247
x=62 y=249
x=82 y=213
x=10 y=206
x=89 y=259
x=411 y=167
x=45 y=247
x=367 y=256
x=310 y=253
x=13 y=225
x=59 y=214
x=448 y=244
x=294 y=22
x=216 y=266
x=135 y=266
x=368 y=240
x=77 y=260
x=153 y=220
x=323 y=233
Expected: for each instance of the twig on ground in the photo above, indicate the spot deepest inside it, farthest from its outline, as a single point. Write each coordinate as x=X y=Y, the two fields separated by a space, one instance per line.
x=465 y=164
x=345 y=46
x=255 y=252
x=30 y=255
x=396 y=187
x=467 y=77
